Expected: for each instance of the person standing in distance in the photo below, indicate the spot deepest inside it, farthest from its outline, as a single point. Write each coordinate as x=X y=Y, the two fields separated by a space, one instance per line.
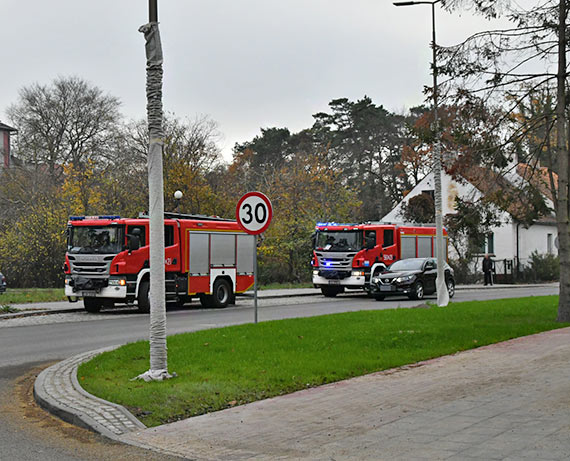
x=488 y=270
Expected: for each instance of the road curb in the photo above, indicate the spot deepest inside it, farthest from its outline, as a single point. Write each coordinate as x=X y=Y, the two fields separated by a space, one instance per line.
x=18 y=315
x=294 y=293
x=57 y=390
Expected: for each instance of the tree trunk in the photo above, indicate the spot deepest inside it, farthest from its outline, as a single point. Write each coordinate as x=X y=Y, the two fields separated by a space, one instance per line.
x=562 y=148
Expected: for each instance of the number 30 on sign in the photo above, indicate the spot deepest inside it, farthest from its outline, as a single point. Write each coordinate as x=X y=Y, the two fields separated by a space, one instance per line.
x=254 y=212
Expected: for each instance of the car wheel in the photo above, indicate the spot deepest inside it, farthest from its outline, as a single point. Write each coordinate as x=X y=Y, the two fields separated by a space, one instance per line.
x=451 y=287
x=92 y=305
x=417 y=291
x=143 y=300
x=222 y=293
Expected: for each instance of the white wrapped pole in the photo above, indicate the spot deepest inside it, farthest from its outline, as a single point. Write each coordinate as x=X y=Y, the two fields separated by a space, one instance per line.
x=158 y=356
x=441 y=286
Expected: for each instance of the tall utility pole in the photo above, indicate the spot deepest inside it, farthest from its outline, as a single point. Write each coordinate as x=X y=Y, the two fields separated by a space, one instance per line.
x=158 y=359
x=442 y=293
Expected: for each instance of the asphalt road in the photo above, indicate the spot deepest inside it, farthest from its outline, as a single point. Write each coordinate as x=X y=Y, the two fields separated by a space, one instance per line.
x=27 y=345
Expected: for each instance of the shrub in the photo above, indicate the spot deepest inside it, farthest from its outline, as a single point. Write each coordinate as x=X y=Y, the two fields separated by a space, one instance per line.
x=542 y=268
x=463 y=271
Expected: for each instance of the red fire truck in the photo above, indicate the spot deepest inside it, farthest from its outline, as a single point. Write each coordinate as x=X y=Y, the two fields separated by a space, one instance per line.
x=107 y=260
x=345 y=255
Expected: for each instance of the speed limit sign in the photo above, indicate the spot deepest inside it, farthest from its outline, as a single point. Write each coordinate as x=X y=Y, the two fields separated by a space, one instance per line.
x=254 y=212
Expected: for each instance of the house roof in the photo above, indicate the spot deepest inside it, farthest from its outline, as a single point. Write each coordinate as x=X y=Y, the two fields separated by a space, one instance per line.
x=4 y=127
x=539 y=177
x=505 y=193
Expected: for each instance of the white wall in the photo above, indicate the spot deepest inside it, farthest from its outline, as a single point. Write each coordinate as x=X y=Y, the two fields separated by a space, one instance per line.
x=449 y=190
x=535 y=239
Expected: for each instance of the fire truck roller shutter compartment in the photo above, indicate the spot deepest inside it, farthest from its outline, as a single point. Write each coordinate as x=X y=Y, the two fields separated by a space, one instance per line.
x=424 y=246
x=199 y=253
x=222 y=250
x=408 y=246
x=245 y=245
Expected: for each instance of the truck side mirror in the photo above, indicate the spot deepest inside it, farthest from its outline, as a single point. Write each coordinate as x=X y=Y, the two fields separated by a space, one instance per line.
x=133 y=242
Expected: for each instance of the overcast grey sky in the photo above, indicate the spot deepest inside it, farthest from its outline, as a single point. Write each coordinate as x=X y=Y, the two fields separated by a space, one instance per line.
x=245 y=63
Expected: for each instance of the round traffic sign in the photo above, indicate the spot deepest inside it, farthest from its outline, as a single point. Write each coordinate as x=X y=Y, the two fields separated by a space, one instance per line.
x=254 y=212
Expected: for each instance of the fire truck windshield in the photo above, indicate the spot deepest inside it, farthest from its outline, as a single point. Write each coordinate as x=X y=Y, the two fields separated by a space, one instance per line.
x=338 y=241
x=95 y=239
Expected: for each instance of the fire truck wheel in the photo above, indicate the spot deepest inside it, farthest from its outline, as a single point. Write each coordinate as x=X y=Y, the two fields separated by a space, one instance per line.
x=92 y=305
x=331 y=292
x=206 y=301
x=222 y=293
x=143 y=300
x=417 y=291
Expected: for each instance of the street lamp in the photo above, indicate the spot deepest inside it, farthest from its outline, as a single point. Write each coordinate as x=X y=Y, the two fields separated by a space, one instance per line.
x=177 y=197
x=442 y=293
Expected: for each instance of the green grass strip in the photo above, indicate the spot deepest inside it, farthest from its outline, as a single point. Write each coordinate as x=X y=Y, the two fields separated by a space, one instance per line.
x=223 y=367
x=32 y=295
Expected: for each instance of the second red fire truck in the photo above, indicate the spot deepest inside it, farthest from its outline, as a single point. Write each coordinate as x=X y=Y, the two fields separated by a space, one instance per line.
x=107 y=260
x=345 y=254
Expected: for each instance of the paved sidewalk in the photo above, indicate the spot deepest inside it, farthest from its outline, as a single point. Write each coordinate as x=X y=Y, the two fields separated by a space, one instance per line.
x=508 y=401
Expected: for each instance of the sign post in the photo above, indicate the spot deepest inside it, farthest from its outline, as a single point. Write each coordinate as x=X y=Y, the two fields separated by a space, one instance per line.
x=253 y=214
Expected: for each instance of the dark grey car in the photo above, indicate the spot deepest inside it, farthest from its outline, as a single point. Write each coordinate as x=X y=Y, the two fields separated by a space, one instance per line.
x=414 y=278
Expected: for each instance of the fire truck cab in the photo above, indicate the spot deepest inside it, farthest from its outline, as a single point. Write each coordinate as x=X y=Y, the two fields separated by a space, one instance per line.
x=344 y=254
x=107 y=260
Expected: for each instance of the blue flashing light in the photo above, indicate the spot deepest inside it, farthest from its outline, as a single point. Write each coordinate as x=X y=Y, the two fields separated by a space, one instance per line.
x=323 y=224
x=81 y=218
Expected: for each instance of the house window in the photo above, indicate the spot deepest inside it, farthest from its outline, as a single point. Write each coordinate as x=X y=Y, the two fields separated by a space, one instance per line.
x=490 y=243
x=549 y=244
x=487 y=244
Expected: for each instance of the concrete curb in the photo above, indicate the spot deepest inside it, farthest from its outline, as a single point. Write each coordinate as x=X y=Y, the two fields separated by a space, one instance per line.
x=57 y=390
x=17 y=315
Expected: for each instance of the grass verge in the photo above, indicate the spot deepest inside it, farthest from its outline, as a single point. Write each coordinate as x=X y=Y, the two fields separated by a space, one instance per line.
x=32 y=295
x=223 y=367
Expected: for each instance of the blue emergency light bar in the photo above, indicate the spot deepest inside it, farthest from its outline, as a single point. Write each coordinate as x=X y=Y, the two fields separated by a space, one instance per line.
x=81 y=218
x=324 y=224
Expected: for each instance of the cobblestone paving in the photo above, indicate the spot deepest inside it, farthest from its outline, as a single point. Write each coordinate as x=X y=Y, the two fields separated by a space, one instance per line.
x=57 y=389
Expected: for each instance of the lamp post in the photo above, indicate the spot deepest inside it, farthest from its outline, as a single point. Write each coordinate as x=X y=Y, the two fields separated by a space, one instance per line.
x=442 y=293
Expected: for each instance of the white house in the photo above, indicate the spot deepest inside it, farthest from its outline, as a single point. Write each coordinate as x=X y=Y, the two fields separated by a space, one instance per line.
x=510 y=241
